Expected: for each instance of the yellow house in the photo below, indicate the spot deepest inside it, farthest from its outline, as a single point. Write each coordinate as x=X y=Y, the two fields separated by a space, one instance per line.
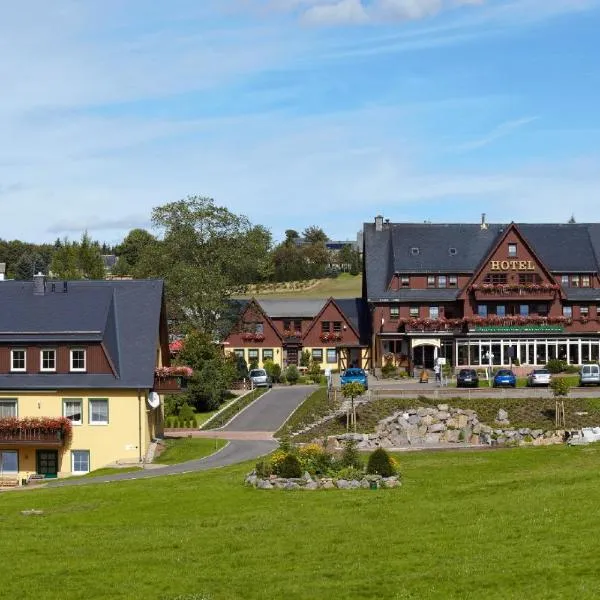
x=78 y=375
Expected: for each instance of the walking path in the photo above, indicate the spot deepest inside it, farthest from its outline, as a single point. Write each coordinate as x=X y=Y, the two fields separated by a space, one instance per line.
x=250 y=434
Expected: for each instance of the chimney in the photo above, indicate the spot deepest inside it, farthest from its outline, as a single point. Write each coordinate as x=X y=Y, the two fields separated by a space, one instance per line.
x=484 y=225
x=378 y=223
x=39 y=284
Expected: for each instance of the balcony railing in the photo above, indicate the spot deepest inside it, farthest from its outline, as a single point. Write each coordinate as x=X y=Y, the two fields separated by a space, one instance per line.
x=171 y=380
x=544 y=291
x=430 y=325
x=31 y=436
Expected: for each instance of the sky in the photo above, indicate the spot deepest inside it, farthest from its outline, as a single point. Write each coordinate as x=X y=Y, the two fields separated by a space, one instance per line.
x=297 y=112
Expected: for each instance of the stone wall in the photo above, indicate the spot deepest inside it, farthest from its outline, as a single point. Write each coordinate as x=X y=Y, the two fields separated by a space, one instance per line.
x=424 y=427
x=321 y=483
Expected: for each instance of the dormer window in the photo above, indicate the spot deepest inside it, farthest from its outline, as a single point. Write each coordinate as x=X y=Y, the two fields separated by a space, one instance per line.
x=78 y=359
x=404 y=281
x=452 y=281
x=414 y=251
x=512 y=250
x=18 y=361
x=48 y=360
x=452 y=251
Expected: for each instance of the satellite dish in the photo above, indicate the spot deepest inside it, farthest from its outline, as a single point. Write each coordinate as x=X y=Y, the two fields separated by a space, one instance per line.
x=153 y=400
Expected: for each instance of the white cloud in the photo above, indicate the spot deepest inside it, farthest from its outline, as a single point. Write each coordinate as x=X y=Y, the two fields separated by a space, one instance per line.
x=497 y=133
x=343 y=11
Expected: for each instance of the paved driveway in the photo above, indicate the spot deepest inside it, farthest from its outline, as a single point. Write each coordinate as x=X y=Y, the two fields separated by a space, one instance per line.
x=250 y=434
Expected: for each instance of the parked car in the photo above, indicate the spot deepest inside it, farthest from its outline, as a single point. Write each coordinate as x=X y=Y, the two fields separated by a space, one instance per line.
x=467 y=378
x=259 y=378
x=589 y=375
x=354 y=375
x=539 y=377
x=505 y=378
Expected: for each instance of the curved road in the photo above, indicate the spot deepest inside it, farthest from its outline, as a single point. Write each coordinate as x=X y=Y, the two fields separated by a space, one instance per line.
x=265 y=415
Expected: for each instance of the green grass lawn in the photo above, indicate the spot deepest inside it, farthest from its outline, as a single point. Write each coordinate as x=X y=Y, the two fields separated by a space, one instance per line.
x=204 y=416
x=342 y=286
x=519 y=523
x=573 y=381
x=183 y=449
x=111 y=471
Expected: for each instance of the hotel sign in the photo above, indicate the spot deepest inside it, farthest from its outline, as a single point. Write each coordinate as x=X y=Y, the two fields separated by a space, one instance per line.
x=512 y=265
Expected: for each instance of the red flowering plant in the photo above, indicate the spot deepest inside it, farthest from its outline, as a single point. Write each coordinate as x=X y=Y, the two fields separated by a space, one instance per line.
x=13 y=428
x=174 y=371
x=331 y=336
x=292 y=333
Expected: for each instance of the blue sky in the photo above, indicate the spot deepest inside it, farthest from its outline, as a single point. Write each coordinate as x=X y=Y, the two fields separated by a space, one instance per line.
x=297 y=112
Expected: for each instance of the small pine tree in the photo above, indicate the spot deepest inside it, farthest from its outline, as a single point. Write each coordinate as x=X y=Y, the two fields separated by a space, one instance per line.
x=186 y=412
x=290 y=467
x=350 y=455
x=292 y=375
x=380 y=463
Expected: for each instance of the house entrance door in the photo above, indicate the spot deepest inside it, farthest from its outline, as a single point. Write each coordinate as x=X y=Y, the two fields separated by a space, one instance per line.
x=47 y=463
x=292 y=355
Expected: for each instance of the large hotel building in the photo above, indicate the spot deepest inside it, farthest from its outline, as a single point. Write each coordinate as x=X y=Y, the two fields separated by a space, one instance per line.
x=483 y=294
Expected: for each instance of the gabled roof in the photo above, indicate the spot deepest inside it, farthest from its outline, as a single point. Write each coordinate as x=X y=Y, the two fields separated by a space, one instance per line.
x=124 y=316
x=356 y=312
x=302 y=309
x=460 y=247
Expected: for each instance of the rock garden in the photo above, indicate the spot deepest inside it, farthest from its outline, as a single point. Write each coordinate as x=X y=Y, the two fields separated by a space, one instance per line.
x=434 y=426
x=313 y=467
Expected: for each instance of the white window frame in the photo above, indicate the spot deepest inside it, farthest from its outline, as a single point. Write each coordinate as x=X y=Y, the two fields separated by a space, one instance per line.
x=329 y=356
x=47 y=370
x=434 y=312
x=78 y=369
x=73 y=401
x=14 y=402
x=314 y=355
x=73 y=453
x=90 y=412
x=567 y=311
x=12 y=360
x=512 y=246
x=394 y=313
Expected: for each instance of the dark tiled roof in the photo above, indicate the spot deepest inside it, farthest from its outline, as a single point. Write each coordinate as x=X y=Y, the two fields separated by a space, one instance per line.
x=582 y=294
x=124 y=315
x=292 y=308
x=460 y=248
x=357 y=313
x=429 y=295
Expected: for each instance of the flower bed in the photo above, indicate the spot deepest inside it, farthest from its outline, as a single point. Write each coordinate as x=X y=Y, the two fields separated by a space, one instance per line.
x=313 y=467
x=175 y=371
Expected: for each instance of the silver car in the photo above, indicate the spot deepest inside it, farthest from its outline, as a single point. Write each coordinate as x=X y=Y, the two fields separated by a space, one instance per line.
x=539 y=377
x=259 y=378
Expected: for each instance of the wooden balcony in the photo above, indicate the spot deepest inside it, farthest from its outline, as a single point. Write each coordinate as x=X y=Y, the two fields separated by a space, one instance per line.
x=32 y=437
x=169 y=384
x=431 y=326
x=494 y=292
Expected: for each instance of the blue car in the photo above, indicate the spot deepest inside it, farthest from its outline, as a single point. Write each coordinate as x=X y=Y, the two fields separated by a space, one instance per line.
x=354 y=375
x=505 y=378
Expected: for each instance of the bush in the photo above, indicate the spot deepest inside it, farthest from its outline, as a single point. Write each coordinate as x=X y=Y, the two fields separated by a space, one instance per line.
x=292 y=375
x=305 y=358
x=560 y=386
x=175 y=423
x=263 y=469
x=314 y=371
x=380 y=463
x=556 y=366
x=350 y=455
x=571 y=369
x=290 y=467
x=388 y=370
x=194 y=423
x=315 y=459
x=186 y=412
x=350 y=473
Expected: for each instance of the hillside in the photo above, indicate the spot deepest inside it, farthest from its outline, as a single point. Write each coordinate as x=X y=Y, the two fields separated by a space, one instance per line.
x=343 y=286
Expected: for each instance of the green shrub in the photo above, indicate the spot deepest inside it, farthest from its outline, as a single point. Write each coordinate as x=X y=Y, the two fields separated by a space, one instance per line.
x=263 y=469
x=305 y=358
x=186 y=412
x=380 y=463
x=350 y=455
x=556 y=366
x=292 y=375
x=571 y=369
x=350 y=473
x=315 y=459
x=290 y=467
x=175 y=423
x=314 y=371
x=388 y=370
x=194 y=423
x=560 y=386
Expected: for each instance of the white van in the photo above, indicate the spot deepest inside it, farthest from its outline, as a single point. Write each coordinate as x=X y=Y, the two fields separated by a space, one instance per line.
x=589 y=375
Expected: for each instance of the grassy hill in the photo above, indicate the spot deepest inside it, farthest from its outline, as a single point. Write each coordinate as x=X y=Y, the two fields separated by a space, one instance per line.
x=343 y=286
x=517 y=523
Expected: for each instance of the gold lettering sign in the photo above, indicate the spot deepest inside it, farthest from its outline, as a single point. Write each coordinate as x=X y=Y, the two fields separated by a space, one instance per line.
x=512 y=265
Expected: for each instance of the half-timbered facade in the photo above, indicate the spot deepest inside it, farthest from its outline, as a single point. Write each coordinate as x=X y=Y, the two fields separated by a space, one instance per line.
x=483 y=294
